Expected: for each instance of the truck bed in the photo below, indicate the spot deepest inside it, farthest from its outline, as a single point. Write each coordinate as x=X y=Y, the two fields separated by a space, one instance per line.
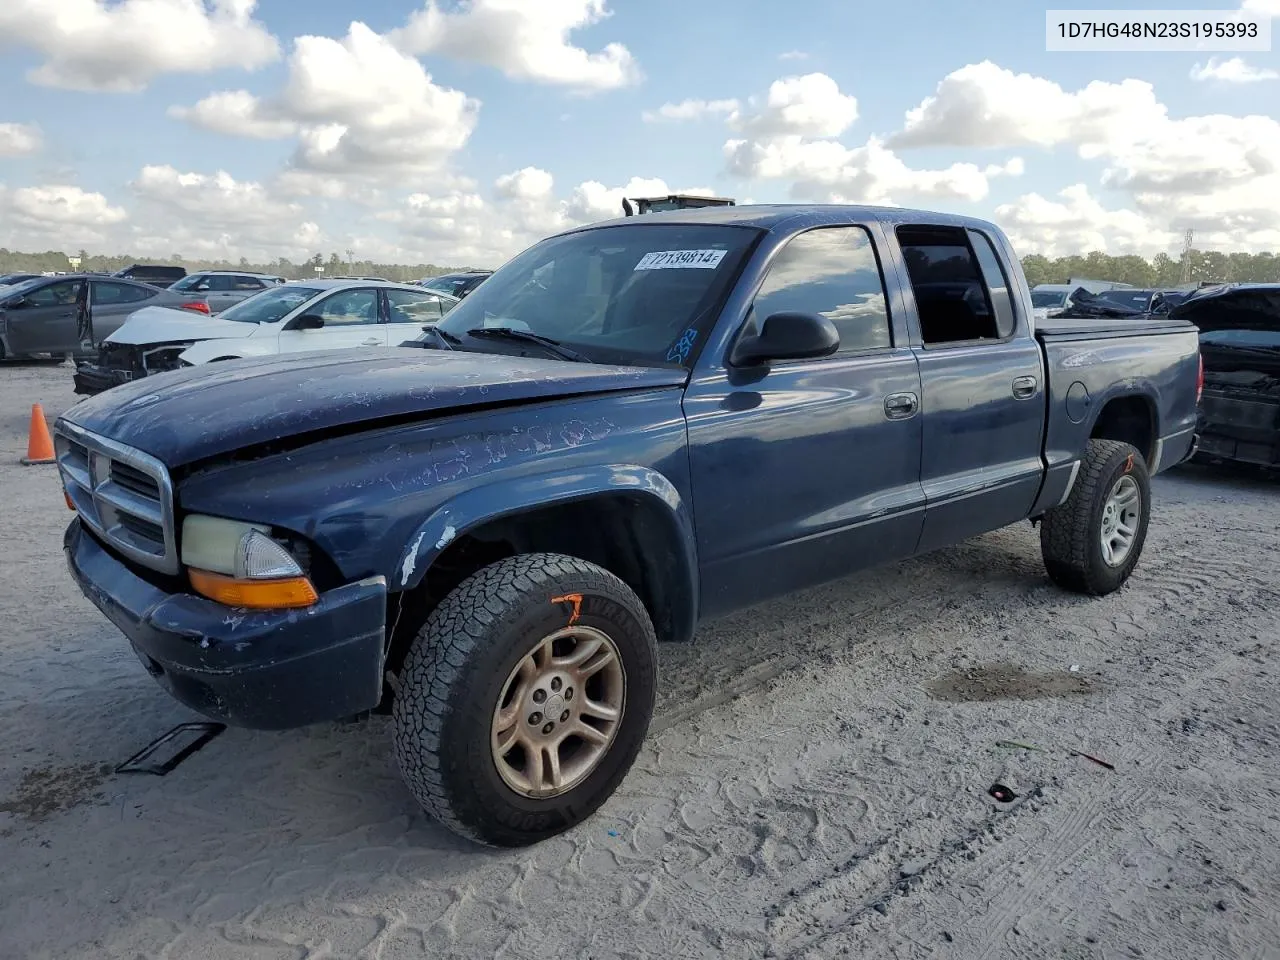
x=1085 y=328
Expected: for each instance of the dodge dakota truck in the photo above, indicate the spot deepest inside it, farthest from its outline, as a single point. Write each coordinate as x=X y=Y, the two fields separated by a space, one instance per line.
x=629 y=428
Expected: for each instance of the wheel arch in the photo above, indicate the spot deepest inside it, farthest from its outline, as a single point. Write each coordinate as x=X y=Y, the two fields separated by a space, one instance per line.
x=628 y=519
x=1129 y=416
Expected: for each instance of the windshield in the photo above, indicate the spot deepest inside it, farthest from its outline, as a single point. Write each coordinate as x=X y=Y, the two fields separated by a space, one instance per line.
x=1138 y=299
x=1048 y=298
x=20 y=287
x=630 y=293
x=269 y=305
x=187 y=282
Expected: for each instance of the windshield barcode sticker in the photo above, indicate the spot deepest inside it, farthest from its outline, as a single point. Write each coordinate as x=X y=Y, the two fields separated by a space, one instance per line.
x=681 y=260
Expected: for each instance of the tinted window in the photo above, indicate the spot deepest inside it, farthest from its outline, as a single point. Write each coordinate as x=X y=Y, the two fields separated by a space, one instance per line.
x=1048 y=298
x=997 y=282
x=1138 y=299
x=55 y=294
x=246 y=283
x=409 y=306
x=218 y=283
x=451 y=285
x=348 y=308
x=629 y=293
x=104 y=292
x=832 y=272
x=951 y=299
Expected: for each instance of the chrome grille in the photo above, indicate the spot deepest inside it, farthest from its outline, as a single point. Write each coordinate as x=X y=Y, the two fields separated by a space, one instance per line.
x=122 y=494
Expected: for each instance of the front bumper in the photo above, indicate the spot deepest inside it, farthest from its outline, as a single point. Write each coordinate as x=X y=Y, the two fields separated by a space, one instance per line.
x=90 y=378
x=263 y=669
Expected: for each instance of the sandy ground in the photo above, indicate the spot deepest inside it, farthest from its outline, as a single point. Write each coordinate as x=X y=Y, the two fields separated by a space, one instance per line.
x=816 y=782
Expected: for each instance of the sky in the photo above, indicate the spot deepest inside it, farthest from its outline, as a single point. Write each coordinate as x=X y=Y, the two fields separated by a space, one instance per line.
x=460 y=131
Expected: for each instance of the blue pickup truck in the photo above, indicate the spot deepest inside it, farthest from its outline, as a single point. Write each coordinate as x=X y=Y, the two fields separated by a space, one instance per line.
x=629 y=428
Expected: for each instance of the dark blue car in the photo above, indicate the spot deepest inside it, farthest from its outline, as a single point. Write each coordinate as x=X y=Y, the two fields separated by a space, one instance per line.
x=628 y=429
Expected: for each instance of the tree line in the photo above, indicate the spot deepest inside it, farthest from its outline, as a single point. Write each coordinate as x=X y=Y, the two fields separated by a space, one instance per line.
x=55 y=261
x=1161 y=270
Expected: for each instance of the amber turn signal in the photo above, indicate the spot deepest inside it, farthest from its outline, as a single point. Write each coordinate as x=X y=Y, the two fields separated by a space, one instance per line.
x=67 y=497
x=257 y=594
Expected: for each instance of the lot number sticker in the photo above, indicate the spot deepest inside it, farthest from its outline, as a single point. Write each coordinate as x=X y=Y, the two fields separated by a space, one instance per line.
x=681 y=260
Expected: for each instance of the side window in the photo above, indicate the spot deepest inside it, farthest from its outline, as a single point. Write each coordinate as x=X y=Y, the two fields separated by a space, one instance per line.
x=831 y=271
x=951 y=299
x=246 y=283
x=55 y=294
x=997 y=282
x=348 y=308
x=104 y=293
x=409 y=306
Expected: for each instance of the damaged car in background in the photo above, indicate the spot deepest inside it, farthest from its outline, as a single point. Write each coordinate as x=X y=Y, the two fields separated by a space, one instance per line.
x=289 y=318
x=1240 y=345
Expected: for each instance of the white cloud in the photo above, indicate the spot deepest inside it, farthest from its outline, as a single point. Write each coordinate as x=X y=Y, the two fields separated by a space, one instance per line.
x=691 y=110
x=19 y=139
x=525 y=40
x=793 y=55
x=236 y=113
x=810 y=106
x=61 y=216
x=215 y=200
x=984 y=105
x=357 y=106
x=1076 y=223
x=790 y=135
x=1268 y=8
x=828 y=171
x=1233 y=70
x=461 y=226
x=62 y=204
x=122 y=46
x=1218 y=174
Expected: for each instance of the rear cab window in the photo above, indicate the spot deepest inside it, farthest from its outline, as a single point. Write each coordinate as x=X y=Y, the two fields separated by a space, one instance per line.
x=961 y=292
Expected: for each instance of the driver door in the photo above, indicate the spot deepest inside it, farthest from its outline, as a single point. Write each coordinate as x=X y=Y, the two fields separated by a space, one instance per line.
x=46 y=321
x=350 y=318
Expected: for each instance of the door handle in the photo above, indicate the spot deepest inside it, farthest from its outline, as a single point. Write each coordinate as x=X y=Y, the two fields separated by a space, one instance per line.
x=901 y=406
x=371 y=342
x=1024 y=387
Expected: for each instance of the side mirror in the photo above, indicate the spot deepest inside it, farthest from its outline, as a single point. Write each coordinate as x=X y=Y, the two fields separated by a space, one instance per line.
x=788 y=336
x=17 y=303
x=308 y=321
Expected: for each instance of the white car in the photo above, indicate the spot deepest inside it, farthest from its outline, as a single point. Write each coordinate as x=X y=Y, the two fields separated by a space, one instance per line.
x=293 y=317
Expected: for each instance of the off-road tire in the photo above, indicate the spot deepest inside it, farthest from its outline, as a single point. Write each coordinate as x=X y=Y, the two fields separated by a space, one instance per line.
x=1070 y=535
x=454 y=674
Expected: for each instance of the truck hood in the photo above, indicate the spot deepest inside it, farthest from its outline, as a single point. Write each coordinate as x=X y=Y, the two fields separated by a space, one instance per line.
x=151 y=325
x=193 y=414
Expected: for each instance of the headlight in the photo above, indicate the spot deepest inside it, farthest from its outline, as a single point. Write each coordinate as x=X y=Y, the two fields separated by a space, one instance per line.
x=240 y=565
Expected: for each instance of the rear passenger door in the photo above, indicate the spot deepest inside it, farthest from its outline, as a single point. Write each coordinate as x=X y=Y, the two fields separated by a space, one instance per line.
x=805 y=470
x=982 y=381
x=240 y=288
x=111 y=302
x=409 y=310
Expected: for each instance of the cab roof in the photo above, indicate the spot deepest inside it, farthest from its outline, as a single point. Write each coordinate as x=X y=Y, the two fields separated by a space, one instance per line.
x=789 y=216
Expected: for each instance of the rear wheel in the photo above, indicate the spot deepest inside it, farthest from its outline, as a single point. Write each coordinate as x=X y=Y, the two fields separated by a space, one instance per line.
x=525 y=698
x=1092 y=543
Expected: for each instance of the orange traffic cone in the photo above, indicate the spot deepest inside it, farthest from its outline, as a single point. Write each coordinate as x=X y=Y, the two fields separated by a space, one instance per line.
x=39 y=442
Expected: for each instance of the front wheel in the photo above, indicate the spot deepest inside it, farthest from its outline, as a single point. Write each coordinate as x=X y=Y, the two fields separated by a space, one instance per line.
x=1092 y=543
x=525 y=698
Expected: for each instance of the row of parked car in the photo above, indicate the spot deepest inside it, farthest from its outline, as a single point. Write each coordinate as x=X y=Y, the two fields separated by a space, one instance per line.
x=119 y=328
